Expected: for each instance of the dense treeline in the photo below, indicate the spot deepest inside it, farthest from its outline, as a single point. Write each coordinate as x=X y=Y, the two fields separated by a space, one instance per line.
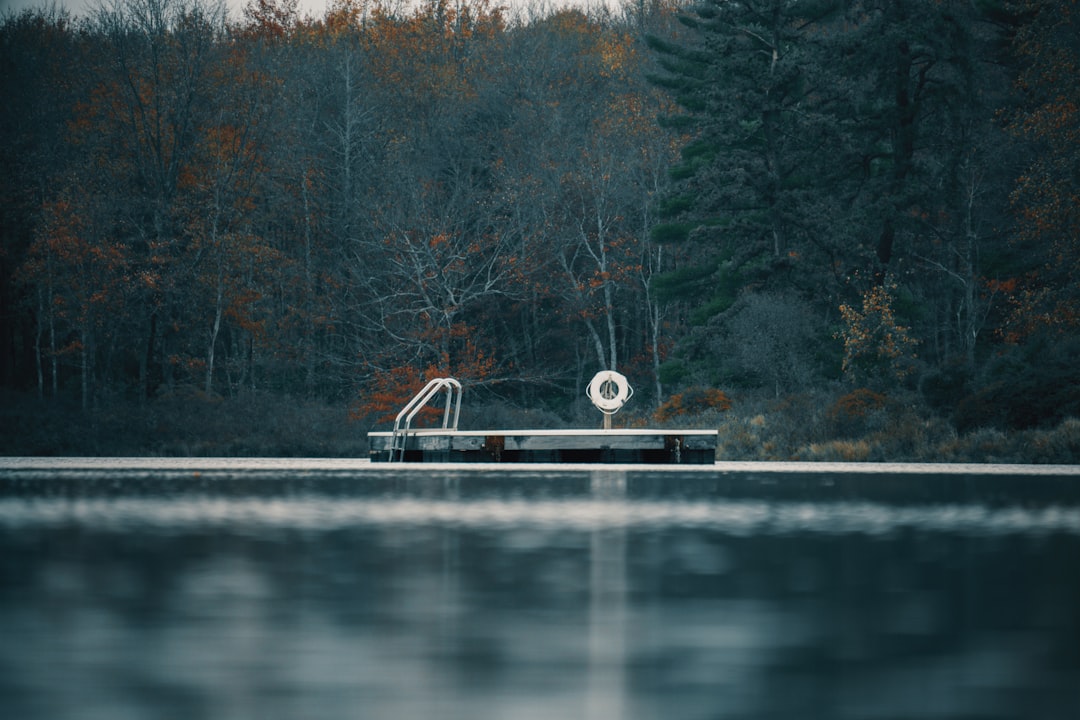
x=881 y=173
x=770 y=198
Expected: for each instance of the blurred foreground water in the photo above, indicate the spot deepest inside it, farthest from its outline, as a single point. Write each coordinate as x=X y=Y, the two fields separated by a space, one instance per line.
x=589 y=593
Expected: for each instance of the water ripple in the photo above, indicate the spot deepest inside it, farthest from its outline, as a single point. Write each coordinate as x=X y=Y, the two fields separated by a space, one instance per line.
x=735 y=517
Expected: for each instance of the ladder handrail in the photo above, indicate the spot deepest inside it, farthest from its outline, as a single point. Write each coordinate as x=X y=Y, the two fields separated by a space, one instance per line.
x=417 y=404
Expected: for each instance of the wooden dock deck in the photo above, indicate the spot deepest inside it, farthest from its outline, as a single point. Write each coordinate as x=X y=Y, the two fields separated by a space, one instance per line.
x=632 y=445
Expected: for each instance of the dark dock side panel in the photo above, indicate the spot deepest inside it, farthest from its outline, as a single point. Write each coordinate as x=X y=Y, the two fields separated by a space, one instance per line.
x=637 y=445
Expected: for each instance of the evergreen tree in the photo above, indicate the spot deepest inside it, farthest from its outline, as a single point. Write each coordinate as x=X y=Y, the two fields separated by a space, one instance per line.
x=829 y=147
x=759 y=108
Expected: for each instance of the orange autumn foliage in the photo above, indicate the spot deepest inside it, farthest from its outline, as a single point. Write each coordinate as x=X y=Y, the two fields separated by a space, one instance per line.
x=693 y=401
x=387 y=390
x=874 y=341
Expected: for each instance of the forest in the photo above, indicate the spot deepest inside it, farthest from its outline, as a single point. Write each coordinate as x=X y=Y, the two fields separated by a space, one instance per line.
x=834 y=229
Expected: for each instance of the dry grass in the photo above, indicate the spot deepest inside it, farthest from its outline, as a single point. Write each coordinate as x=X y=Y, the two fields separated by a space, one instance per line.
x=814 y=428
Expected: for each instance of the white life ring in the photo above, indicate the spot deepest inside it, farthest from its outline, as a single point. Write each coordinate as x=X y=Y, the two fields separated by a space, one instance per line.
x=609 y=391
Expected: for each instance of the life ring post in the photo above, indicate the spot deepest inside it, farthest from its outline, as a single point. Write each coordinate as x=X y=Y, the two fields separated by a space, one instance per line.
x=609 y=391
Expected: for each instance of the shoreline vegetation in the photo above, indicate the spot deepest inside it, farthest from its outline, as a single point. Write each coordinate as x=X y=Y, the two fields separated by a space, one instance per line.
x=812 y=427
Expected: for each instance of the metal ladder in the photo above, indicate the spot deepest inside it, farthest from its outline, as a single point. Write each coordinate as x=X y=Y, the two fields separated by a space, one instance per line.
x=405 y=417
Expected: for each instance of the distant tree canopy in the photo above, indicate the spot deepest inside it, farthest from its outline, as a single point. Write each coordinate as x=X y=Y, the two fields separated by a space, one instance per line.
x=1046 y=198
x=764 y=194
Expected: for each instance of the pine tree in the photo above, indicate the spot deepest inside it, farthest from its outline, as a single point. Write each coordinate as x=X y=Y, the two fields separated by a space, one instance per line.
x=828 y=147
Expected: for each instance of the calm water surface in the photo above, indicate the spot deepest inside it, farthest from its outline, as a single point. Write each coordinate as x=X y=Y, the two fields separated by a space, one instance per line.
x=588 y=594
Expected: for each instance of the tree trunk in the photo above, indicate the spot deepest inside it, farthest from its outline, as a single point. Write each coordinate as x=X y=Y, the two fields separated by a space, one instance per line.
x=214 y=336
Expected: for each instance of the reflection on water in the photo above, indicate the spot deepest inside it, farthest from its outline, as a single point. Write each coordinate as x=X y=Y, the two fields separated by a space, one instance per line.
x=556 y=599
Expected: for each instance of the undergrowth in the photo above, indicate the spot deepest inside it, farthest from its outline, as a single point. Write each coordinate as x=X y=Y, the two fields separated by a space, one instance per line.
x=183 y=424
x=842 y=426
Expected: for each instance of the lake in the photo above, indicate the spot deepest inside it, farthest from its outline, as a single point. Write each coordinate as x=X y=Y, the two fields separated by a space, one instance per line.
x=337 y=589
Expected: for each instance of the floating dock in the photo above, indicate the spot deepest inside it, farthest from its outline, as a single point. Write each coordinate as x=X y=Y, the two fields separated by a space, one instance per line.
x=608 y=391
x=631 y=445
